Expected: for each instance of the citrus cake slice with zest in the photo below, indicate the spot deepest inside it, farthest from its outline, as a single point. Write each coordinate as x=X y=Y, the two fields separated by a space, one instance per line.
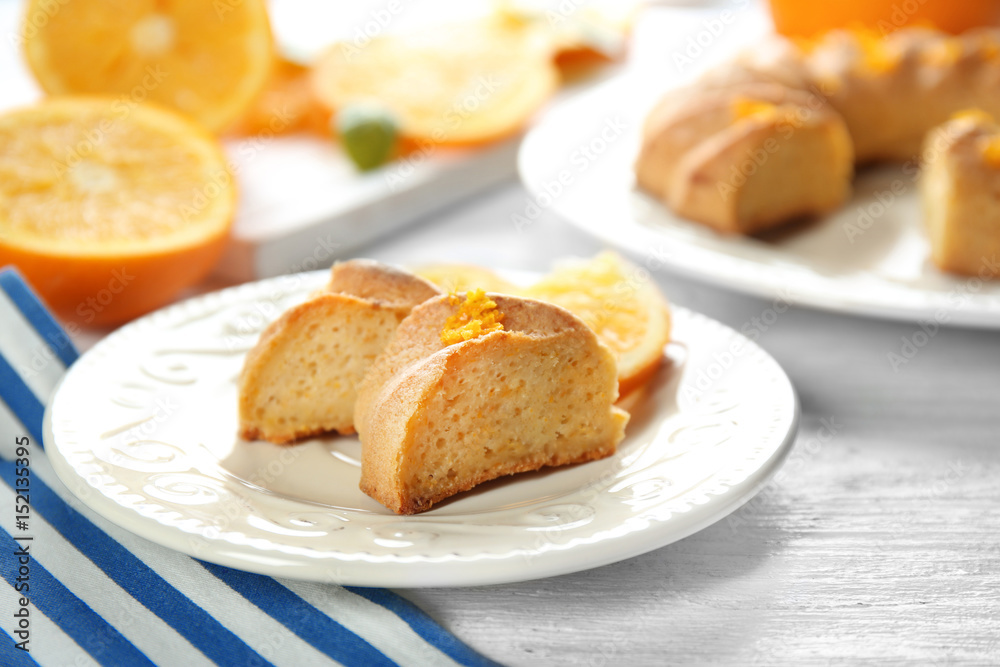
x=208 y=60
x=532 y=386
x=301 y=377
x=458 y=84
x=620 y=303
x=110 y=215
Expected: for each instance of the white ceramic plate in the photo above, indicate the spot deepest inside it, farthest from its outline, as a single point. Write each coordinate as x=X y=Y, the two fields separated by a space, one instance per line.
x=143 y=430
x=870 y=258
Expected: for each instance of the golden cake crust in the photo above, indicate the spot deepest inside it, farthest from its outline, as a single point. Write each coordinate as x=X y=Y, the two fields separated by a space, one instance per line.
x=301 y=377
x=436 y=419
x=878 y=100
x=960 y=188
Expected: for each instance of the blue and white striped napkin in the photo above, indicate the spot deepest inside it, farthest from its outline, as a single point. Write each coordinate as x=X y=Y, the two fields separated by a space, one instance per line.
x=97 y=594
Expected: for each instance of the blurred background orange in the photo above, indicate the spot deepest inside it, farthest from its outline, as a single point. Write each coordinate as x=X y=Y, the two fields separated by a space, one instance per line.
x=795 y=18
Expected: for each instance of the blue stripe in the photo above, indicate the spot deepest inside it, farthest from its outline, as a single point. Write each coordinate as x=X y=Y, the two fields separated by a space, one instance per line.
x=425 y=626
x=155 y=593
x=300 y=617
x=104 y=644
x=38 y=316
x=21 y=400
x=15 y=657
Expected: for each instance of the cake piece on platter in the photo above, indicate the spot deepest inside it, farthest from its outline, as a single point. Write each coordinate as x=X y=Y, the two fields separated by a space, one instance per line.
x=960 y=188
x=748 y=158
x=851 y=96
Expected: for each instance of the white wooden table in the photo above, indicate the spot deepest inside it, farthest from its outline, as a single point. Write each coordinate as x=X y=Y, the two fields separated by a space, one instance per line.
x=879 y=541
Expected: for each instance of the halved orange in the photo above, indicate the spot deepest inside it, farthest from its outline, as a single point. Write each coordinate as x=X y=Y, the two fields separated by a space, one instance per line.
x=459 y=84
x=208 y=60
x=110 y=214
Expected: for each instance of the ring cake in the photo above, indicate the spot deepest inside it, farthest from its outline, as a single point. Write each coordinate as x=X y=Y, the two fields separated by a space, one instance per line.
x=774 y=135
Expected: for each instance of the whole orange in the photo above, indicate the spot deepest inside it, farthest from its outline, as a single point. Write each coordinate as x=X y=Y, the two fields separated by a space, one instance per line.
x=795 y=18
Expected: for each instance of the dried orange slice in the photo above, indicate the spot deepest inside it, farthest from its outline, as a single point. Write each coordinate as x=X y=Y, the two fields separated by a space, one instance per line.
x=206 y=59
x=110 y=215
x=466 y=277
x=459 y=84
x=620 y=303
x=581 y=34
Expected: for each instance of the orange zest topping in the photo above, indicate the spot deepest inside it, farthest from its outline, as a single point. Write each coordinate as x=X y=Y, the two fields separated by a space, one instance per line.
x=745 y=107
x=477 y=316
x=877 y=56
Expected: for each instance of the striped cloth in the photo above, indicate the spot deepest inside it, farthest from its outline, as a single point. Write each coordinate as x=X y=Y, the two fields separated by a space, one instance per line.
x=101 y=595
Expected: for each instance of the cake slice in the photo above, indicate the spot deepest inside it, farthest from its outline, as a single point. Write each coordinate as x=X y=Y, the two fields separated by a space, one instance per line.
x=302 y=377
x=682 y=120
x=526 y=385
x=774 y=162
x=960 y=188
